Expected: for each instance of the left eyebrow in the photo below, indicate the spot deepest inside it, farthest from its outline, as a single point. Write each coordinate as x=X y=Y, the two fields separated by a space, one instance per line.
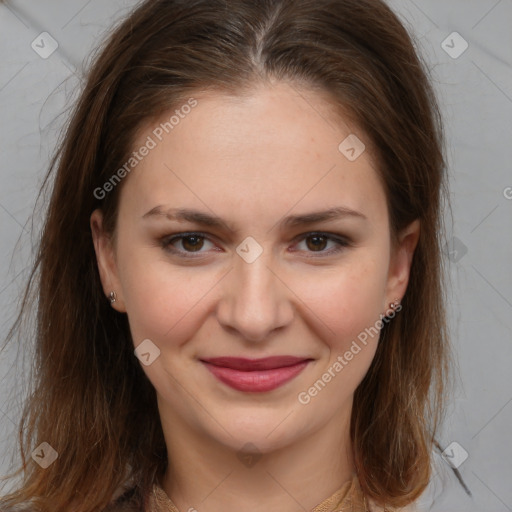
x=322 y=216
x=206 y=219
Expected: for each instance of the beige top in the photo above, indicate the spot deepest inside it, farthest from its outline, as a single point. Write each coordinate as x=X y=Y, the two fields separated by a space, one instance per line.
x=349 y=498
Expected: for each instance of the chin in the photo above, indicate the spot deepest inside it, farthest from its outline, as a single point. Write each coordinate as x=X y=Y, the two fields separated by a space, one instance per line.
x=255 y=431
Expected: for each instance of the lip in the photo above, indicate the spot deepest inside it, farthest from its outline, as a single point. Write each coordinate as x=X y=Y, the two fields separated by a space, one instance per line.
x=255 y=375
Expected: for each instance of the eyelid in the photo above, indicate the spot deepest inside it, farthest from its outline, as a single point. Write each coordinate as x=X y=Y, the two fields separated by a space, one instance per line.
x=342 y=242
x=166 y=243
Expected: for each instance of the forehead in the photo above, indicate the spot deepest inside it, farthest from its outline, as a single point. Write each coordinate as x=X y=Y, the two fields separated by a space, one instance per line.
x=273 y=147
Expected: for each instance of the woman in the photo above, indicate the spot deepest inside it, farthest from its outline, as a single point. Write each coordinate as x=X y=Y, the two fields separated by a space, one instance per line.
x=239 y=280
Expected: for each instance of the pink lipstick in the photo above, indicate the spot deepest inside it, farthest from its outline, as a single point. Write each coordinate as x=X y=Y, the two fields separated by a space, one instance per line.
x=255 y=375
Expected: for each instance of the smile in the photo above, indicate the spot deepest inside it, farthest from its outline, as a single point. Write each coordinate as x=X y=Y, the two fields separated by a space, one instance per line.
x=255 y=375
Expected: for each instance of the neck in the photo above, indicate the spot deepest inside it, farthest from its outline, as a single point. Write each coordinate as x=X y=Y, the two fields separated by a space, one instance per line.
x=211 y=477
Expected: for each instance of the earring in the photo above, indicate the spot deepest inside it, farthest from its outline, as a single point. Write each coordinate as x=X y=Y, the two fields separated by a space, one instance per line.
x=395 y=304
x=113 y=297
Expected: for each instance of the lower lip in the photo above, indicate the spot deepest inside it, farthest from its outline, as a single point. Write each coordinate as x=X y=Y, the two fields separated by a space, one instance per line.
x=256 y=381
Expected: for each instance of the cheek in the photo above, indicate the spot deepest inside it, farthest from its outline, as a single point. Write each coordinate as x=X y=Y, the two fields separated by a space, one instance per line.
x=349 y=303
x=347 y=299
x=163 y=302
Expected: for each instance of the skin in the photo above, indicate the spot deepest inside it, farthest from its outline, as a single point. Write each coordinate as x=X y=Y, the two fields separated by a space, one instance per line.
x=253 y=160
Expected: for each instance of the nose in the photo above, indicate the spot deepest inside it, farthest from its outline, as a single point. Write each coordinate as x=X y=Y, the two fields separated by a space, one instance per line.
x=255 y=301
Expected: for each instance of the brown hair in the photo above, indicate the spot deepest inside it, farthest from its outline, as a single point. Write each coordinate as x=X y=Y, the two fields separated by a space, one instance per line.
x=91 y=398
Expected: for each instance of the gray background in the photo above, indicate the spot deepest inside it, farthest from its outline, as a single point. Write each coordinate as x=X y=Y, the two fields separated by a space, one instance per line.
x=475 y=90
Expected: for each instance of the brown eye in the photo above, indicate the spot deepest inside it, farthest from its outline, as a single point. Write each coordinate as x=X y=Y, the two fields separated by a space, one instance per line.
x=318 y=243
x=186 y=244
x=192 y=243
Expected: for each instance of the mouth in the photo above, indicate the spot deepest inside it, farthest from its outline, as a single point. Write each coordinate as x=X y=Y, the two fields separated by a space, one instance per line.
x=256 y=375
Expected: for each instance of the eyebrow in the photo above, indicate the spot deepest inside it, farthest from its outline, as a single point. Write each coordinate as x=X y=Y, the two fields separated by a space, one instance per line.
x=205 y=219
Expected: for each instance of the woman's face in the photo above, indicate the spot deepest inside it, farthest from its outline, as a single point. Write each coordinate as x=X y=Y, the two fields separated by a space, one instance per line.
x=264 y=272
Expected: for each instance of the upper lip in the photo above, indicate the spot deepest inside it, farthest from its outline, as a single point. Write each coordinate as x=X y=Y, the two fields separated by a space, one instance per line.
x=266 y=363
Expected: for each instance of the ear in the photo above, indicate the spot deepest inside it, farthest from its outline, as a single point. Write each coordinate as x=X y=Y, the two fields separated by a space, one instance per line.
x=400 y=262
x=105 y=256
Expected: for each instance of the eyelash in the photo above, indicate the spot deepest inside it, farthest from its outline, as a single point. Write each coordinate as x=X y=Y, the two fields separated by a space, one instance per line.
x=166 y=243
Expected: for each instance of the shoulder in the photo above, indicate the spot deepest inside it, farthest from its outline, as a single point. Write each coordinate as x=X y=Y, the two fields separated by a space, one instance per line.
x=128 y=497
x=408 y=508
x=129 y=501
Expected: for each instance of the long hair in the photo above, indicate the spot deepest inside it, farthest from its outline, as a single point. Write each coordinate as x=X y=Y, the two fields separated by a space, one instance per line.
x=90 y=399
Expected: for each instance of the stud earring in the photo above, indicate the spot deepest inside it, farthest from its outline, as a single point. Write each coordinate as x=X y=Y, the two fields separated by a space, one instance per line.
x=395 y=304
x=113 y=297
